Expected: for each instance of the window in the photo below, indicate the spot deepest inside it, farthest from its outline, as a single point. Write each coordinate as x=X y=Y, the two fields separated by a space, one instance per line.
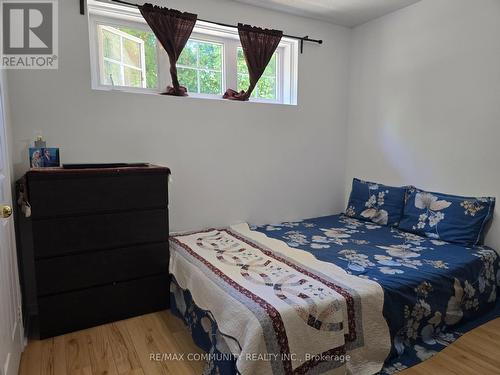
x=150 y=53
x=267 y=87
x=199 y=67
x=126 y=56
x=122 y=58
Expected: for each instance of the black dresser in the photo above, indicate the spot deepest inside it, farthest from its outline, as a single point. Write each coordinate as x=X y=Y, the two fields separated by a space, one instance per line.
x=95 y=247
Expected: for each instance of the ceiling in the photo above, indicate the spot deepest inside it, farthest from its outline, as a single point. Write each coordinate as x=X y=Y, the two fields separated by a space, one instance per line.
x=348 y=13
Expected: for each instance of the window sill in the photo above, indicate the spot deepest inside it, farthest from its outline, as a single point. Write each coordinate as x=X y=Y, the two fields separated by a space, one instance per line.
x=190 y=96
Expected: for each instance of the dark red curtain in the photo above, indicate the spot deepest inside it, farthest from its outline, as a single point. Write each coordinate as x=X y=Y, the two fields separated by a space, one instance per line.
x=173 y=29
x=258 y=47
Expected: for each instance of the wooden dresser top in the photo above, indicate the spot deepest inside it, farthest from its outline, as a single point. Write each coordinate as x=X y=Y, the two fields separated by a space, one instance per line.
x=60 y=171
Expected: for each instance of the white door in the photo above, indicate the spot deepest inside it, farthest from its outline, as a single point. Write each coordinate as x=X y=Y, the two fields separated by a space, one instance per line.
x=11 y=331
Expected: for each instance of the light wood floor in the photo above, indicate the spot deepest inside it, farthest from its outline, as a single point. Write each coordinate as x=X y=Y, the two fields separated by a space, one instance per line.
x=124 y=348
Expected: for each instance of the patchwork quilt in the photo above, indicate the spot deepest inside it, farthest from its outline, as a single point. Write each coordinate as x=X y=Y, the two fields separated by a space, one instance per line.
x=288 y=312
x=328 y=295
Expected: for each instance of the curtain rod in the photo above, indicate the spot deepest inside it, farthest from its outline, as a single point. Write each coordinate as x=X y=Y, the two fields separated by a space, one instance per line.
x=302 y=39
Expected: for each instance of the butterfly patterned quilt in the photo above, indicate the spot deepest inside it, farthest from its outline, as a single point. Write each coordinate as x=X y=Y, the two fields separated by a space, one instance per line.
x=434 y=291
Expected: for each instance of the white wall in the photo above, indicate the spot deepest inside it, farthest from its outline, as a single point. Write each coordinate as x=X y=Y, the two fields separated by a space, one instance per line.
x=425 y=99
x=231 y=161
x=423 y=109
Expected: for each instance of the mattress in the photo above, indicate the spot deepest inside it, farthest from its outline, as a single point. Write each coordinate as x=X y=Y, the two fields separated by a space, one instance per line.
x=413 y=296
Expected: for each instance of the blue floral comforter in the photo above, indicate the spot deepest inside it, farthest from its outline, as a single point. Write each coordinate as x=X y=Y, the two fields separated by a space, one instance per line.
x=434 y=290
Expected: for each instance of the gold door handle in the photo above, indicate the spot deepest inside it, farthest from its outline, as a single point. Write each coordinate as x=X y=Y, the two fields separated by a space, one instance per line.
x=6 y=211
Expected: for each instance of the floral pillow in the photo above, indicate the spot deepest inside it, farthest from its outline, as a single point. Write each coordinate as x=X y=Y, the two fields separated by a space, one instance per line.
x=375 y=202
x=447 y=217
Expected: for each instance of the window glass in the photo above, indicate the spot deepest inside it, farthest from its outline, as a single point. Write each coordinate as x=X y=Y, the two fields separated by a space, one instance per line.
x=188 y=78
x=150 y=54
x=267 y=86
x=112 y=73
x=199 y=67
x=132 y=77
x=132 y=53
x=111 y=45
x=129 y=57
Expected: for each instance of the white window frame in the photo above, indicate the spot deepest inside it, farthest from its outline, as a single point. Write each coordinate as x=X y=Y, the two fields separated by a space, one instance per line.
x=108 y=14
x=123 y=36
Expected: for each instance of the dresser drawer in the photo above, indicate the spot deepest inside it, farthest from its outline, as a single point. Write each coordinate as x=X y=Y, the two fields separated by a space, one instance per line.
x=66 y=273
x=73 y=311
x=60 y=236
x=71 y=194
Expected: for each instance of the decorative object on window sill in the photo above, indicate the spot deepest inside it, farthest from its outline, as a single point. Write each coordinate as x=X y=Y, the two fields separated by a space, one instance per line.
x=301 y=39
x=173 y=29
x=258 y=46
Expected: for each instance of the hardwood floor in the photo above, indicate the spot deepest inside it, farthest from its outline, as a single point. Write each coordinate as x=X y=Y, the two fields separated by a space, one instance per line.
x=475 y=353
x=124 y=347
x=118 y=348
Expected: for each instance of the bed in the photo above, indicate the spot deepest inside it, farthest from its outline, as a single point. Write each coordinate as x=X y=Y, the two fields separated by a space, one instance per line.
x=327 y=295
